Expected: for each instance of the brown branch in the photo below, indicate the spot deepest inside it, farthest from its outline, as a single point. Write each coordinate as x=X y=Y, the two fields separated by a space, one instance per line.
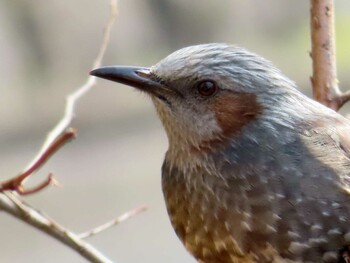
x=16 y=183
x=113 y=222
x=324 y=80
x=29 y=215
x=50 y=180
x=58 y=132
x=344 y=97
x=10 y=203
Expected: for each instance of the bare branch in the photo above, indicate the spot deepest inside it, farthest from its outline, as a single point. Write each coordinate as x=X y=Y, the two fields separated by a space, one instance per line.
x=113 y=222
x=324 y=80
x=10 y=203
x=53 y=140
x=76 y=95
x=50 y=180
x=106 y=34
x=27 y=214
x=16 y=183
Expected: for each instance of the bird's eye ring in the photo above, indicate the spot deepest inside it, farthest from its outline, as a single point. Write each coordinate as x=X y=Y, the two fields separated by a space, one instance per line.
x=207 y=88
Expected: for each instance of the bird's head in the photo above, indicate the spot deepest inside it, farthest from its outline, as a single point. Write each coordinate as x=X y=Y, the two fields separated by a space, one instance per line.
x=208 y=93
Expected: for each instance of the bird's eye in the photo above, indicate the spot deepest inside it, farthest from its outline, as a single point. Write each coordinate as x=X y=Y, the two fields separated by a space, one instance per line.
x=207 y=88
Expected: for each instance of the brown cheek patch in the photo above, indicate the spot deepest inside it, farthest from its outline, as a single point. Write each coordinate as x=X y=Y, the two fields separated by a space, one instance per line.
x=232 y=111
x=235 y=110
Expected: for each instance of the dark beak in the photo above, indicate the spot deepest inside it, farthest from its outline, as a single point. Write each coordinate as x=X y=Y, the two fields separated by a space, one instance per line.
x=138 y=77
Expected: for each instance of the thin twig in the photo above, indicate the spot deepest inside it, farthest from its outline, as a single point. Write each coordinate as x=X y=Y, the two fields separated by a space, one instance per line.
x=106 y=34
x=27 y=214
x=16 y=183
x=324 y=79
x=113 y=222
x=72 y=99
x=50 y=180
x=10 y=203
x=344 y=97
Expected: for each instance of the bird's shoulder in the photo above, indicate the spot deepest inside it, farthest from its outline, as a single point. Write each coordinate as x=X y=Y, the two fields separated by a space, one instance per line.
x=329 y=135
x=328 y=140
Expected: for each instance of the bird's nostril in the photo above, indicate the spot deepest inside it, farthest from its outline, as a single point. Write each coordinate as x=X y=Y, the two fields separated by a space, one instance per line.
x=144 y=73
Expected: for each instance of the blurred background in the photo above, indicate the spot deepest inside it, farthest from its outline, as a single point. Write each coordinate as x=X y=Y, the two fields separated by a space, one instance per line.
x=47 y=49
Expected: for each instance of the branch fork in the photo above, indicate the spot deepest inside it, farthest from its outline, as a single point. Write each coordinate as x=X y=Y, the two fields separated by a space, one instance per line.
x=56 y=139
x=17 y=183
x=324 y=79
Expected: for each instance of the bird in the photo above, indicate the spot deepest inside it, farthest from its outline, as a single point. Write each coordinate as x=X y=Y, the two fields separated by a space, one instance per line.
x=255 y=171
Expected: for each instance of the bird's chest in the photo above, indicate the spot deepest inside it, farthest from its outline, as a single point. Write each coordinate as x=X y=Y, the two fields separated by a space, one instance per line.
x=224 y=219
x=198 y=210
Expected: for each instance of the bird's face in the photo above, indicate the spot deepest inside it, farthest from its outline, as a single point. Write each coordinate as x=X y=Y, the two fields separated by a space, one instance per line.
x=204 y=94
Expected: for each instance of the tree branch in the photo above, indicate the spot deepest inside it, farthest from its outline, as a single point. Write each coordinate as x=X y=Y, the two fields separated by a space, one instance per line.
x=324 y=80
x=16 y=183
x=72 y=99
x=58 y=137
x=11 y=204
x=113 y=222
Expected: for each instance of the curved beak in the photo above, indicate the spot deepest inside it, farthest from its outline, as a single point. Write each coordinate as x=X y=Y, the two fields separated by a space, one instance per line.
x=138 y=77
